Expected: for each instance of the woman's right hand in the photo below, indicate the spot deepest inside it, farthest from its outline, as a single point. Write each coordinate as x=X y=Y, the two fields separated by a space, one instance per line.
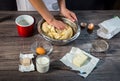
x=57 y=24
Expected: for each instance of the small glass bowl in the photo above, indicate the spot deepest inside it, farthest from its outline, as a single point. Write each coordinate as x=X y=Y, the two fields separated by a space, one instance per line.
x=46 y=45
x=100 y=46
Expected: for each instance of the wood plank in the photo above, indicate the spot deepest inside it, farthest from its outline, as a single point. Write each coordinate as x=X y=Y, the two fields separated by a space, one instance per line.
x=108 y=69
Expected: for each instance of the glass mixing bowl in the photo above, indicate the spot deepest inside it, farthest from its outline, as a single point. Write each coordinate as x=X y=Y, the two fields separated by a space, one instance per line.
x=40 y=42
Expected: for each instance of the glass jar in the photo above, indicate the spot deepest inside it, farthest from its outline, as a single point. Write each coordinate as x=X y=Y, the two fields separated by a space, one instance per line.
x=42 y=63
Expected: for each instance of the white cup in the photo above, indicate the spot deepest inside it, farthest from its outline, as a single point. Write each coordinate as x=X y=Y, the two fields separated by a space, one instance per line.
x=42 y=64
x=25 y=25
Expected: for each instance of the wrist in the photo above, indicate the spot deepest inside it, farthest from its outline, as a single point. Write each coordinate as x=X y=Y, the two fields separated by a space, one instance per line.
x=63 y=11
x=50 y=20
x=63 y=8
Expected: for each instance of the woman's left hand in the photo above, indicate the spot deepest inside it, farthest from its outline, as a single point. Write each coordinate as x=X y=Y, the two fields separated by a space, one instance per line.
x=69 y=14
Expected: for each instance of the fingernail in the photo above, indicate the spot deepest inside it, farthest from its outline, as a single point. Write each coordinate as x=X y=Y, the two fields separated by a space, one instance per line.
x=73 y=20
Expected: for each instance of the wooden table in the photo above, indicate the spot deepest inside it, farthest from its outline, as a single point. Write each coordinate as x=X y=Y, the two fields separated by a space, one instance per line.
x=108 y=69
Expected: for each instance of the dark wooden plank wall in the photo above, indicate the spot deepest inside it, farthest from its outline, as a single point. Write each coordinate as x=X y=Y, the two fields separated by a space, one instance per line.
x=8 y=5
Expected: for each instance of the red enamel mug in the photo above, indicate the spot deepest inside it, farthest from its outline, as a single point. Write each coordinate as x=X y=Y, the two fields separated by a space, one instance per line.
x=25 y=25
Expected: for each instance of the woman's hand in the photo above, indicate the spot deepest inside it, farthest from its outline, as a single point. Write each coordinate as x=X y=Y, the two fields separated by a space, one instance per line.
x=57 y=24
x=69 y=14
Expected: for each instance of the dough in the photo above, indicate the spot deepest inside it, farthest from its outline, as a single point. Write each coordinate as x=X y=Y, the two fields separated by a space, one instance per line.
x=54 y=33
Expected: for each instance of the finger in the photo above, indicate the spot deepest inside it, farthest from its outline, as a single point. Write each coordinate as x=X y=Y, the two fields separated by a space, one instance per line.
x=71 y=18
x=74 y=16
x=60 y=26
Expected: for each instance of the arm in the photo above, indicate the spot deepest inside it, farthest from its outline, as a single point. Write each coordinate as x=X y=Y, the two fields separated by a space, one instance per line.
x=65 y=12
x=43 y=11
x=41 y=8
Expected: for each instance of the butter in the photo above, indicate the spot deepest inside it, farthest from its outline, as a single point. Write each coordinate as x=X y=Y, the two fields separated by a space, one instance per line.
x=25 y=61
x=79 y=59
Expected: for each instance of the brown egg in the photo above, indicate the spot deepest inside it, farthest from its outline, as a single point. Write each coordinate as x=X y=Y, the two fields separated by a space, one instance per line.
x=83 y=24
x=91 y=26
